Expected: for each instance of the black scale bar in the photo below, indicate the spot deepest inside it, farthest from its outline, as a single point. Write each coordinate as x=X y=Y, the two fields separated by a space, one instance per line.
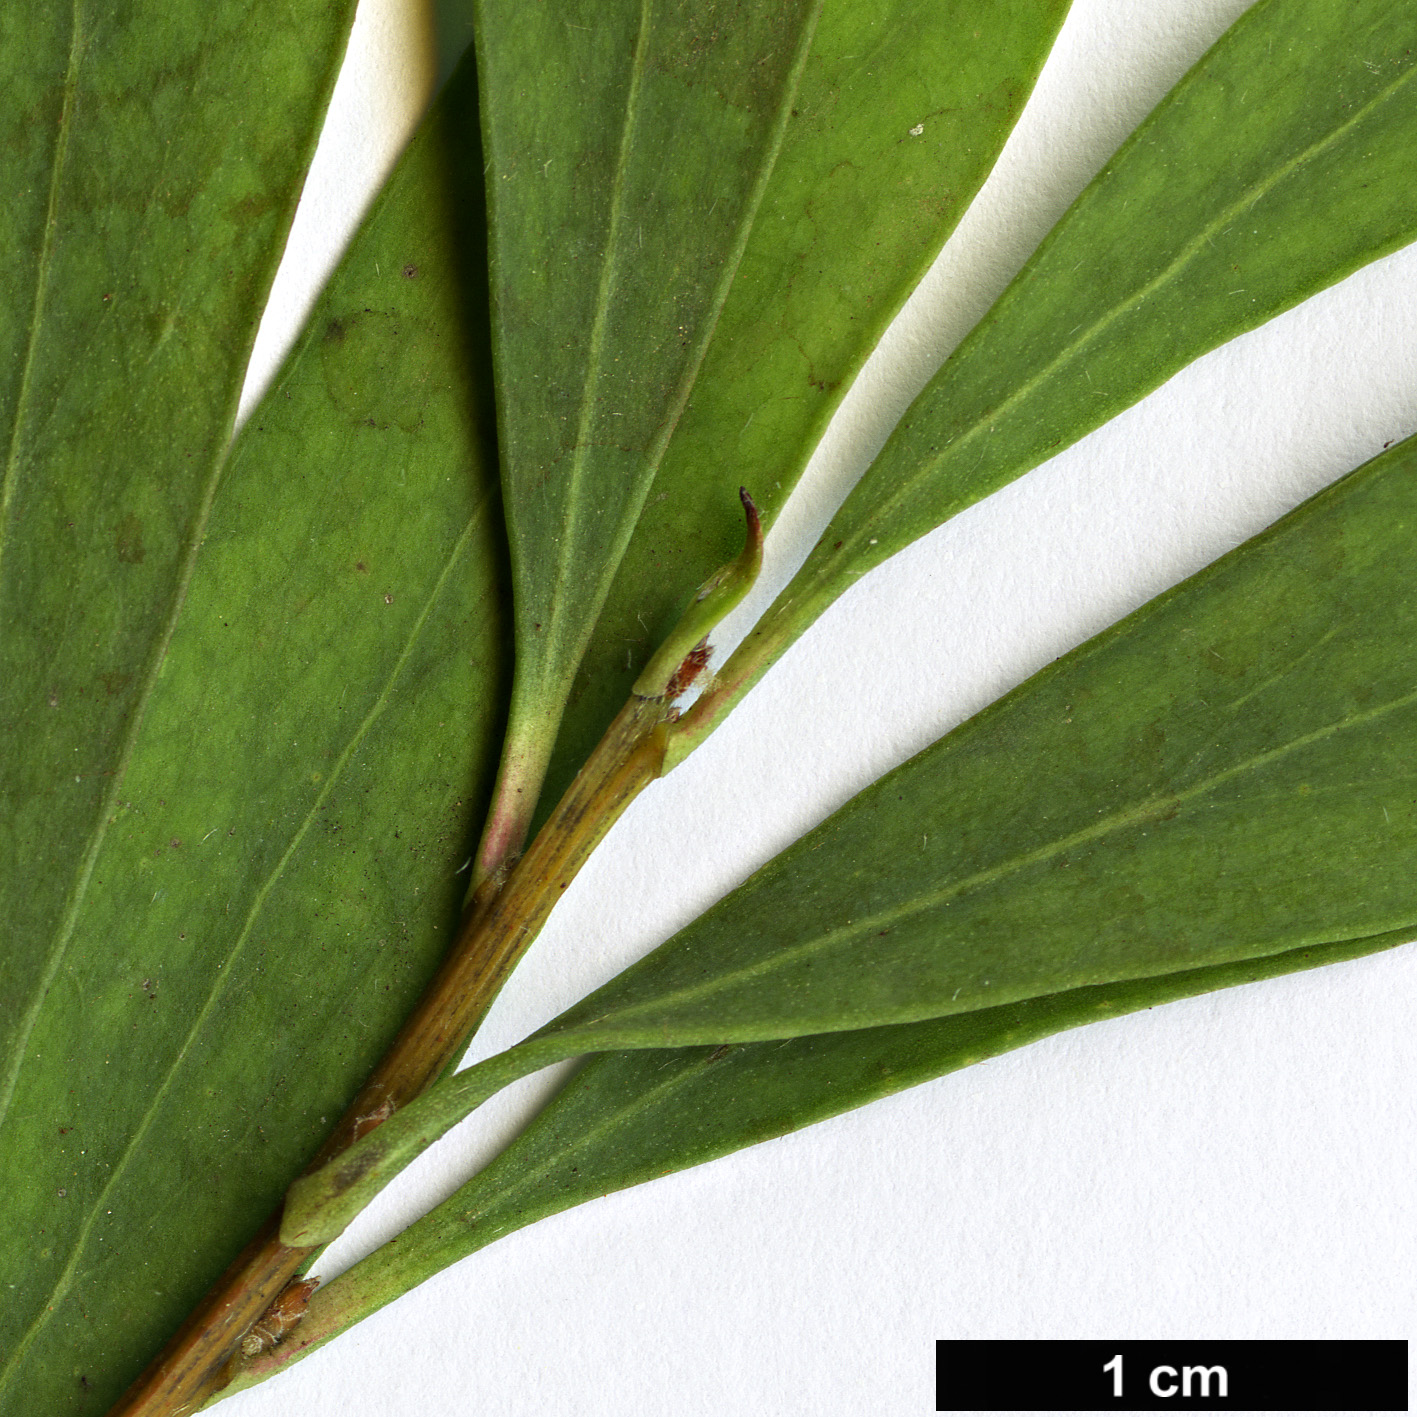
x=1364 y=1375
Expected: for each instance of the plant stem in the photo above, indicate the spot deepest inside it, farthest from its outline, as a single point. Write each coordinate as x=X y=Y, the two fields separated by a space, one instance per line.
x=497 y=928
x=504 y=915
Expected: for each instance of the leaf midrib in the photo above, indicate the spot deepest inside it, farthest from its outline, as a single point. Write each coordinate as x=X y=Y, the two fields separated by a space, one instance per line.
x=41 y=287
x=609 y=270
x=224 y=974
x=186 y=561
x=675 y=407
x=105 y=816
x=895 y=915
x=608 y=1122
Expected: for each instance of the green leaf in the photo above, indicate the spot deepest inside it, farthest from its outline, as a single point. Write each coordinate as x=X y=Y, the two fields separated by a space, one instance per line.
x=265 y=870
x=628 y=1118
x=1215 y=215
x=605 y=123
x=901 y=111
x=1225 y=775
x=127 y=185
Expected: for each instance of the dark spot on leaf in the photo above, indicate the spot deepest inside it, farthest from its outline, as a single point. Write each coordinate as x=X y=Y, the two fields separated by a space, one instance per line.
x=360 y=566
x=353 y=1171
x=411 y=271
x=128 y=540
x=381 y=369
x=115 y=683
x=62 y=1192
x=175 y=843
x=252 y=208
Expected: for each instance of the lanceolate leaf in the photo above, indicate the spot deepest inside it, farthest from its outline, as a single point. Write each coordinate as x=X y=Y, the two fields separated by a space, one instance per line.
x=627 y=1118
x=136 y=166
x=628 y=145
x=900 y=112
x=1276 y=167
x=275 y=870
x=1224 y=776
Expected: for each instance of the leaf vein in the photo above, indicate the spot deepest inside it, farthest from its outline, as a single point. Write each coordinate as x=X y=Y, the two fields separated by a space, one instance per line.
x=567 y=542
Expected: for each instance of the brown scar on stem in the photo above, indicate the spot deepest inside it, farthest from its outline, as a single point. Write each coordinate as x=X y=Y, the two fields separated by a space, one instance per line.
x=367 y=1121
x=284 y=1314
x=694 y=664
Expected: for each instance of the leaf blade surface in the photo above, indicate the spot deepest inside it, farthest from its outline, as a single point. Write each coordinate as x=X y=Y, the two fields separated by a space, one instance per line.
x=1273 y=169
x=114 y=230
x=857 y=207
x=280 y=873
x=601 y=121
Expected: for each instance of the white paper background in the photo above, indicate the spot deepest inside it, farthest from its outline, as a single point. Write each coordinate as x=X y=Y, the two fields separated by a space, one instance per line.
x=1238 y=1166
